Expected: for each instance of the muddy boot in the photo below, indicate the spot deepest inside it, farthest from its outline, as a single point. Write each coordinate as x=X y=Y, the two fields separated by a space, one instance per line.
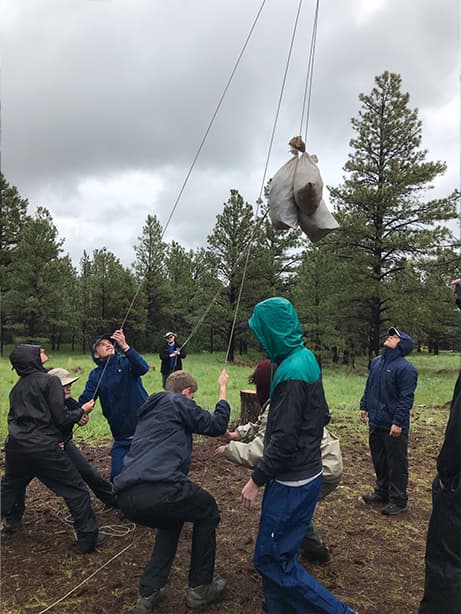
x=86 y=544
x=202 y=595
x=373 y=497
x=9 y=526
x=145 y=605
x=319 y=555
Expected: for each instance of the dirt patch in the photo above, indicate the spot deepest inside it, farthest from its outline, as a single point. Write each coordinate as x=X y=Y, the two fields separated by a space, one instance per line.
x=377 y=564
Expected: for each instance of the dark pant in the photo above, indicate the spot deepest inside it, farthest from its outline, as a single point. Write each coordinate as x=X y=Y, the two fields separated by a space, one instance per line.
x=118 y=452
x=390 y=460
x=312 y=539
x=442 y=585
x=102 y=488
x=54 y=469
x=165 y=506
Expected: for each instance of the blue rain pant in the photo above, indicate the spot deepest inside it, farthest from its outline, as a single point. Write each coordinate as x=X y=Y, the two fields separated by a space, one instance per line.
x=288 y=588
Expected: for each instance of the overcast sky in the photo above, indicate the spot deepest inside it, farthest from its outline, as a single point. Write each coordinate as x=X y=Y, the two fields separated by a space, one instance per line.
x=105 y=102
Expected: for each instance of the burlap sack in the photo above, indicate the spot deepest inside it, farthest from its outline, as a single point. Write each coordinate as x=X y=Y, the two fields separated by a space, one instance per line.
x=282 y=206
x=308 y=184
x=318 y=224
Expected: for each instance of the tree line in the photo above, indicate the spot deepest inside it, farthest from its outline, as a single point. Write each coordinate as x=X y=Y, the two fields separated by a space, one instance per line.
x=390 y=262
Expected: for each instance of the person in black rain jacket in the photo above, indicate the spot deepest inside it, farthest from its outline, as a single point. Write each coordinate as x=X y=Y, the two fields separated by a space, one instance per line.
x=36 y=421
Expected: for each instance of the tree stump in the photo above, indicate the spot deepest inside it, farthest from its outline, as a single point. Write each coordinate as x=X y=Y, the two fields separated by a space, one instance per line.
x=249 y=406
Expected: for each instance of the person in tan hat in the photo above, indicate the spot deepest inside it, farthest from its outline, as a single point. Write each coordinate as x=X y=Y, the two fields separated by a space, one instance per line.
x=101 y=487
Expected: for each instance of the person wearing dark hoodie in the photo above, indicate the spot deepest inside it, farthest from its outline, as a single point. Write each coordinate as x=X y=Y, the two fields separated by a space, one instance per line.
x=154 y=489
x=36 y=422
x=171 y=354
x=117 y=383
x=291 y=466
x=386 y=403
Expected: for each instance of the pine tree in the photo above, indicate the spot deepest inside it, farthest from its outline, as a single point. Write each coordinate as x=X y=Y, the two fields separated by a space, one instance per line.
x=150 y=270
x=228 y=248
x=382 y=206
x=107 y=289
x=34 y=276
x=13 y=214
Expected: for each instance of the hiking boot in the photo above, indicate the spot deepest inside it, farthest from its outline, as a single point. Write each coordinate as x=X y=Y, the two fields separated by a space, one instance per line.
x=85 y=547
x=392 y=509
x=199 y=596
x=319 y=555
x=372 y=497
x=9 y=526
x=145 y=605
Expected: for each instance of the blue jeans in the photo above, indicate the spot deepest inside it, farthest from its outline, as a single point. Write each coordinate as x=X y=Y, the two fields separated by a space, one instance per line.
x=118 y=452
x=288 y=588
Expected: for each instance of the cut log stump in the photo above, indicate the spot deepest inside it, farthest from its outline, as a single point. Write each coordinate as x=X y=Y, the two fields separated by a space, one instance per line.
x=249 y=406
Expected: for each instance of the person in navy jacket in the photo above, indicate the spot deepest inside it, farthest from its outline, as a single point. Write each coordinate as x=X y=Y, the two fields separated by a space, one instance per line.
x=154 y=489
x=387 y=402
x=117 y=383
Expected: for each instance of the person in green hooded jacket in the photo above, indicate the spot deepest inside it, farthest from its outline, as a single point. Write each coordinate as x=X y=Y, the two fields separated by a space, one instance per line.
x=291 y=466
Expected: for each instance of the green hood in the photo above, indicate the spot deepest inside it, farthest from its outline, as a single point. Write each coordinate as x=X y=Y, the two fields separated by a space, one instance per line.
x=276 y=326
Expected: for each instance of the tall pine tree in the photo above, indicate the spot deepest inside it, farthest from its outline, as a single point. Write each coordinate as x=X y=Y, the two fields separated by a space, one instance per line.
x=382 y=205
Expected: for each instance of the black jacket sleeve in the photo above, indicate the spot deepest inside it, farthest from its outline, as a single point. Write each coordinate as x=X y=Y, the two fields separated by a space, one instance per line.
x=285 y=417
x=449 y=461
x=61 y=416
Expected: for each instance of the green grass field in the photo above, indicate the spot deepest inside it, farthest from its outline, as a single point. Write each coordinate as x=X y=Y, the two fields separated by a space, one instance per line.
x=343 y=386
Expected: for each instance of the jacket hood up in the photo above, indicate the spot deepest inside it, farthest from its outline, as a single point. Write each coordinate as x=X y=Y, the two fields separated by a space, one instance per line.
x=403 y=348
x=25 y=359
x=406 y=344
x=276 y=326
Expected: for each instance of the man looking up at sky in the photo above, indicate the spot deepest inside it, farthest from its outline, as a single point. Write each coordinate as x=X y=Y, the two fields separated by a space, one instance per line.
x=116 y=381
x=387 y=402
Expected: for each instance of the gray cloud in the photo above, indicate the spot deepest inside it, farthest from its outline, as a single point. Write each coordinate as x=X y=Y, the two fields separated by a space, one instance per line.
x=104 y=102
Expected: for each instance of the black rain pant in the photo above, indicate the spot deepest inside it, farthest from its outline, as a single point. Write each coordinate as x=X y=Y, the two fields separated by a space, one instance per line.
x=442 y=584
x=166 y=506
x=390 y=460
x=55 y=470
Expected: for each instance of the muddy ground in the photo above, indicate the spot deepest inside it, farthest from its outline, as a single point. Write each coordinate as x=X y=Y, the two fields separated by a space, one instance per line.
x=377 y=562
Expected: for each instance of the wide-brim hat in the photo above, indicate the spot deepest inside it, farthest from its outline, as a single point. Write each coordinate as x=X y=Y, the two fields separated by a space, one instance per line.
x=64 y=376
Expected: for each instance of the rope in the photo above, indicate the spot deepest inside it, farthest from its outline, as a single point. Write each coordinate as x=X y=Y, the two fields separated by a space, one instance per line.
x=113 y=530
x=202 y=143
x=305 y=111
x=263 y=181
x=90 y=576
x=219 y=291
x=106 y=364
x=309 y=75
